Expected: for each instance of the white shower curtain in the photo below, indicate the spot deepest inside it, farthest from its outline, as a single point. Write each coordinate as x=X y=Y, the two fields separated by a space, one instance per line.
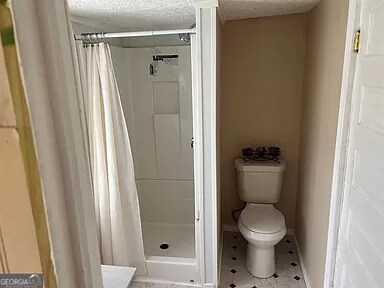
x=111 y=162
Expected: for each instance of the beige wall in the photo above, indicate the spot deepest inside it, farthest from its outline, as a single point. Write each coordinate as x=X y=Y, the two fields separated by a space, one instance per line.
x=262 y=80
x=324 y=57
x=18 y=243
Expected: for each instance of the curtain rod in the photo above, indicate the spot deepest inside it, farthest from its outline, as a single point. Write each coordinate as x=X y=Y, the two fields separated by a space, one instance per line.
x=105 y=35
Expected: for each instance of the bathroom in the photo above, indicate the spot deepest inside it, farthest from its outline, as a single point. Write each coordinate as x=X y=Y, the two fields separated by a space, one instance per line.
x=261 y=71
x=190 y=85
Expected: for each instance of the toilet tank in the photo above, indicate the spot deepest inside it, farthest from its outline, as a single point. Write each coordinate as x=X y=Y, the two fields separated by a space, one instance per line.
x=260 y=182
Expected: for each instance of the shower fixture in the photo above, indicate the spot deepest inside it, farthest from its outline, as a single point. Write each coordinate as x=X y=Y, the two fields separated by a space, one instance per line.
x=184 y=34
x=186 y=37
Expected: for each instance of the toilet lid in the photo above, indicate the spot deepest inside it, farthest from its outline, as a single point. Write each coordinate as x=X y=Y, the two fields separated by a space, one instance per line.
x=262 y=218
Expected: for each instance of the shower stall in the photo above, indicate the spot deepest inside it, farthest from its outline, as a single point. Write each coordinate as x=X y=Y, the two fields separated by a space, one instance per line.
x=155 y=84
x=153 y=74
x=168 y=97
x=158 y=111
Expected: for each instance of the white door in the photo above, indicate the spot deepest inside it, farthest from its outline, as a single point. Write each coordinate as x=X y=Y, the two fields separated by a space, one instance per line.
x=360 y=255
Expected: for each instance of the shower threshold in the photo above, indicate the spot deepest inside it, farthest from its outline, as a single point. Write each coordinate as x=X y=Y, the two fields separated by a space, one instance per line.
x=117 y=276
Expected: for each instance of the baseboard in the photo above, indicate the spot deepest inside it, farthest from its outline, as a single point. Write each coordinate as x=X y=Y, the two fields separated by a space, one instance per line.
x=230 y=228
x=234 y=228
x=220 y=254
x=305 y=275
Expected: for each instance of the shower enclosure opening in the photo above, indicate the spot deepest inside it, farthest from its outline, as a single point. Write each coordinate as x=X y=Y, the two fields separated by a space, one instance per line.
x=155 y=83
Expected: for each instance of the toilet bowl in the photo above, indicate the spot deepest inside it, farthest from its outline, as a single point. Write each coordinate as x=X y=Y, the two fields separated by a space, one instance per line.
x=263 y=226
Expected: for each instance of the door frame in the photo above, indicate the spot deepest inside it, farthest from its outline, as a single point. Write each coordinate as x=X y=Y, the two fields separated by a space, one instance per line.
x=203 y=52
x=342 y=143
x=47 y=45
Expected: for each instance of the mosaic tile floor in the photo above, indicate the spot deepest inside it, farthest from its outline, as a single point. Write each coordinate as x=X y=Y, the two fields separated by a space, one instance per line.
x=235 y=274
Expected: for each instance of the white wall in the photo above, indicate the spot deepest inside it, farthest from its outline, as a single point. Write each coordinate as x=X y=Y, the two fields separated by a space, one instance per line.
x=162 y=199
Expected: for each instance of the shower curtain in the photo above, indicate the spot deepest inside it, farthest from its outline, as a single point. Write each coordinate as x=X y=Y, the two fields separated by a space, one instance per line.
x=111 y=162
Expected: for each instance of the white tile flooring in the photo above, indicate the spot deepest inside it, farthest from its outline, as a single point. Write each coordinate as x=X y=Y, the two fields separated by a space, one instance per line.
x=235 y=274
x=180 y=238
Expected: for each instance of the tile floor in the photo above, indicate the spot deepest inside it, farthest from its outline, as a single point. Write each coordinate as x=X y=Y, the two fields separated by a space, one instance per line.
x=235 y=274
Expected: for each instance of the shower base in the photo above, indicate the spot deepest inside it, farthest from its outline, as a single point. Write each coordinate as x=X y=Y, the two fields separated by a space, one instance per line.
x=169 y=240
x=170 y=252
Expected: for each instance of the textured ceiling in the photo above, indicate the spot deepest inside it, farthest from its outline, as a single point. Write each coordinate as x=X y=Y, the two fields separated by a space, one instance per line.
x=168 y=14
x=241 y=9
x=136 y=14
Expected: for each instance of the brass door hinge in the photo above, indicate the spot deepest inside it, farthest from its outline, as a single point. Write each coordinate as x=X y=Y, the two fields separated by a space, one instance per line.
x=356 y=42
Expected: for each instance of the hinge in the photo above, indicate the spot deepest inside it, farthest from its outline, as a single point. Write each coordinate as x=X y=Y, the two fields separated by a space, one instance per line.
x=356 y=42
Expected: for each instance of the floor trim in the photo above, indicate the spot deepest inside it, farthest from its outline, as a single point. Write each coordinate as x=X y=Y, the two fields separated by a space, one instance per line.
x=307 y=283
x=230 y=228
x=220 y=253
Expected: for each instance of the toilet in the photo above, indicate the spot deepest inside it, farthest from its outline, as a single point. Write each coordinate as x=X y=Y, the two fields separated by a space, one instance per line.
x=260 y=223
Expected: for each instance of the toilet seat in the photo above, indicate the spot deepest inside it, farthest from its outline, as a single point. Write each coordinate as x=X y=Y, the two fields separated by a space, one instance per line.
x=262 y=218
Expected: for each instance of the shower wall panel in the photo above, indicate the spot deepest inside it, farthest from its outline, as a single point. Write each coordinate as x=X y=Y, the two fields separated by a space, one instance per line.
x=157 y=101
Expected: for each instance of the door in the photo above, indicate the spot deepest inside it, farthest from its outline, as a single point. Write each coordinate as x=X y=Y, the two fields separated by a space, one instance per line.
x=360 y=254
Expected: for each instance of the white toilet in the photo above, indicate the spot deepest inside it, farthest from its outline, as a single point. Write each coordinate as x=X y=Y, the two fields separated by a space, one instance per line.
x=261 y=224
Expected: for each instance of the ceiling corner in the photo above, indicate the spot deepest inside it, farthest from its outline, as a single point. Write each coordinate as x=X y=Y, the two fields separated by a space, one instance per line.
x=220 y=14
